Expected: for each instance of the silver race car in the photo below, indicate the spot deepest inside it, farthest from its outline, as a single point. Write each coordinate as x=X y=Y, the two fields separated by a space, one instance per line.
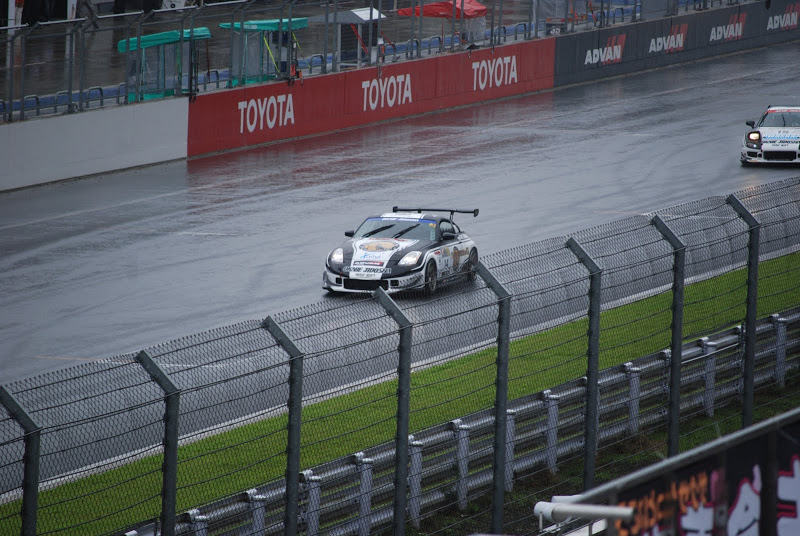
x=773 y=139
x=402 y=250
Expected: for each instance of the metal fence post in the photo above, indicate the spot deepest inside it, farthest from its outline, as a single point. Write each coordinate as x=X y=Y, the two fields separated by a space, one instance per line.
x=551 y=430
x=415 y=481
x=593 y=360
x=364 y=469
x=751 y=317
x=295 y=406
x=313 y=487
x=709 y=375
x=170 y=468
x=30 y=479
x=462 y=461
x=501 y=396
x=780 y=349
x=511 y=434
x=403 y=409
x=634 y=375
x=676 y=342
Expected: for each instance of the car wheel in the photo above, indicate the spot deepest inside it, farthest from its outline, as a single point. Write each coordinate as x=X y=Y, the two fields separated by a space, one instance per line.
x=430 y=278
x=472 y=274
x=745 y=163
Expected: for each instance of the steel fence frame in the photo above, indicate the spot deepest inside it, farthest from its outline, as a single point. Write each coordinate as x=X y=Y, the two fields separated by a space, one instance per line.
x=286 y=362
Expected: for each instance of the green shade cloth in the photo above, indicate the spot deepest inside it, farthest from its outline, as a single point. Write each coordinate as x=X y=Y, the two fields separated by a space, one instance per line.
x=163 y=38
x=266 y=25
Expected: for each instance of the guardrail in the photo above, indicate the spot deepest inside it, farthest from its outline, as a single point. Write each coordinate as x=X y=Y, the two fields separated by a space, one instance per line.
x=352 y=495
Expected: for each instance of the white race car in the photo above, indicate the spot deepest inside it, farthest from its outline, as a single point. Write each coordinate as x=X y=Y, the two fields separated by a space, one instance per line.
x=773 y=139
x=402 y=250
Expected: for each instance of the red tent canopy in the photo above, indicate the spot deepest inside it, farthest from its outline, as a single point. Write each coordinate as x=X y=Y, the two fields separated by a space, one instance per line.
x=472 y=9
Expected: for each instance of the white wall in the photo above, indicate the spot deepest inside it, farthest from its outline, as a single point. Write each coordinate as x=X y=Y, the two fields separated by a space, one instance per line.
x=36 y=151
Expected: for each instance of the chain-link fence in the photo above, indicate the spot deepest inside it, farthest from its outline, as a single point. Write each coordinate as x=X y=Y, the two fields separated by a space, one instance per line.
x=553 y=366
x=107 y=59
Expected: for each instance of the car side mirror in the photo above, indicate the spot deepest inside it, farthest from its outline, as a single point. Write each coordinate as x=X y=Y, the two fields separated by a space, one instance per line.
x=447 y=235
x=349 y=233
x=750 y=124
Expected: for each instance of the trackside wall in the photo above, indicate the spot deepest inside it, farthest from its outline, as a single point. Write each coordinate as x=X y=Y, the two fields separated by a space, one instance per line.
x=260 y=114
x=634 y=47
x=74 y=145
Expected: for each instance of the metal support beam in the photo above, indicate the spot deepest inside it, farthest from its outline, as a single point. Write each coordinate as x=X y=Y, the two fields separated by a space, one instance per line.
x=30 y=479
x=403 y=409
x=295 y=406
x=751 y=317
x=676 y=342
x=169 y=486
x=501 y=395
x=593 y=360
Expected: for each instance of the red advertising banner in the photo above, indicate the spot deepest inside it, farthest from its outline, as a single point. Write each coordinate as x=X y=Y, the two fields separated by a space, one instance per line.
x=254 y=115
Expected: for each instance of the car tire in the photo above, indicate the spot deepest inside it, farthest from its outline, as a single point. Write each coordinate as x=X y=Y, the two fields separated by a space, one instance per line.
x=431 y=276
x=745 y=163
x=472 y=267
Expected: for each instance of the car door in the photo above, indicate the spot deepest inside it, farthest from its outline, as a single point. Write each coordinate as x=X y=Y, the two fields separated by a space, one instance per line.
x=450 y=251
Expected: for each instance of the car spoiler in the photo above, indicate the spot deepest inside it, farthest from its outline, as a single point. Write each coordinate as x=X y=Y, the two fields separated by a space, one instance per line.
x=450 y=210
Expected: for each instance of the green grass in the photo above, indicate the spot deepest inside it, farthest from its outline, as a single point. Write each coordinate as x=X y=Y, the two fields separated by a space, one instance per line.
x=253 y=454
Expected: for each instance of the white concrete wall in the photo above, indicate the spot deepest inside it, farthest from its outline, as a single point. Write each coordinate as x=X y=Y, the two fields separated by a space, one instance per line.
x=37 y=151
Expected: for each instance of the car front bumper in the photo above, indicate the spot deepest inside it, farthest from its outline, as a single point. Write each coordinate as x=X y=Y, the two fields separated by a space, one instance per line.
x=341 y=283
x=768 y=155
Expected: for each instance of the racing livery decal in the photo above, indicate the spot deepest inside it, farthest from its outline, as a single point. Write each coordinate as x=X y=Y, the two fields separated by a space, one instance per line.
x=387 y=92
x=732 y=31
x=494 y=72
x=270 y=111
x=787 y=21
x=612 y=53
x=371 y=254
x=672 y=42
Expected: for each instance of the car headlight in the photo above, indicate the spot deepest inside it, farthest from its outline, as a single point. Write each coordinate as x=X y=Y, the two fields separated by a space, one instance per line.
x=754 y=136
x=337 y=255
x=410 y=259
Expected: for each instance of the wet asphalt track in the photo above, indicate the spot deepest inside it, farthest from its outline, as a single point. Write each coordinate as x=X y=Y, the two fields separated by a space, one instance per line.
x=111 y=264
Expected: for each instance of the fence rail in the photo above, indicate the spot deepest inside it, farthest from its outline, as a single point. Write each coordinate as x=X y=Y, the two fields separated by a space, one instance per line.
x=593 y=328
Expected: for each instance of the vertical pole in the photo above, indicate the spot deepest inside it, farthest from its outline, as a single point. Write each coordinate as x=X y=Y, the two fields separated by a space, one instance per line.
x=634 y=389
x=676 y=342
x=295 y=406
x=403 y=409
x=511 y=435
x=780 y=349
x=551 y=430
x=593 y=361
x=30 y=480
x=501 y=395
x=752 y=306
x=415 y=481
x=169 y=486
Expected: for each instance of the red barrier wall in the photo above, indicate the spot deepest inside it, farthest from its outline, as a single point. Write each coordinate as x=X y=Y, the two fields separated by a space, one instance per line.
x=259 y=114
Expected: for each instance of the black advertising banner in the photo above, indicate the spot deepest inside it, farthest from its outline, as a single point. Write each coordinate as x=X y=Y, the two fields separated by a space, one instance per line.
x=717 y=496
x=597 y=54
x=788 y=481
x=627 y=48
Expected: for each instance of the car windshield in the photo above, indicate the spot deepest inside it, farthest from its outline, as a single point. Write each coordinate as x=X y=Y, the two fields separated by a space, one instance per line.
x=409 y=228
x=783 y=118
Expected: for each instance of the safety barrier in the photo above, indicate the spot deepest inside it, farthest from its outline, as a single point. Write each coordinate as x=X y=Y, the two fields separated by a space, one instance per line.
x=454 y=459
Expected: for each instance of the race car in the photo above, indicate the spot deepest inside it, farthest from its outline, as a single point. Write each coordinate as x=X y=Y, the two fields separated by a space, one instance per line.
x=402 y=250
x=775 y=138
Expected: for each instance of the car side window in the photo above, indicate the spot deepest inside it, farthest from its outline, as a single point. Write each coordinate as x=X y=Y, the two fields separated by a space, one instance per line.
x=446 y=227
x=456 y=229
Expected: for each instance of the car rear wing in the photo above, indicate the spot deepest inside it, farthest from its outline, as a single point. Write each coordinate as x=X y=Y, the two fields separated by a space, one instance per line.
x=450 y=210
